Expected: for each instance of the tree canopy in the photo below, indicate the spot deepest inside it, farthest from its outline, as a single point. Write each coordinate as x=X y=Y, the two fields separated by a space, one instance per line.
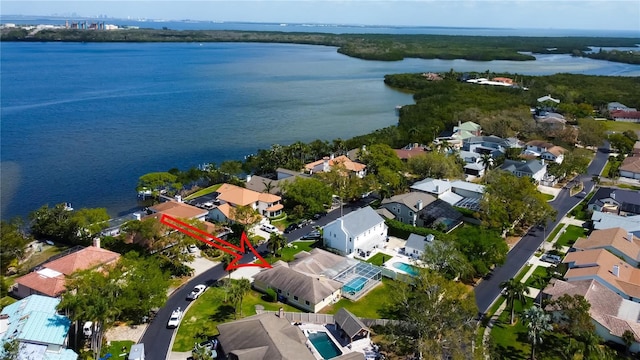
x=310 y=193
x=75 y=227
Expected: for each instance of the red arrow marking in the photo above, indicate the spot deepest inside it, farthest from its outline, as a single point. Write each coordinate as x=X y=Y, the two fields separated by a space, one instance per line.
x=236 y=251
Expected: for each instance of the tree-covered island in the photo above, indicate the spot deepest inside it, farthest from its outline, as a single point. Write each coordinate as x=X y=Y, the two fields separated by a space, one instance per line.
x=386 y=47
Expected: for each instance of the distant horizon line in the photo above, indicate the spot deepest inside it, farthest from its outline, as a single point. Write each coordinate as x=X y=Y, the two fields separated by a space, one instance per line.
x=154 y=20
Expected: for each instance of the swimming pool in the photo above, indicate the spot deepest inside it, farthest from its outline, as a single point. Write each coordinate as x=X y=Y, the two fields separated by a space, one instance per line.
x=411 y=270
x=355 y=285
x=325 y=346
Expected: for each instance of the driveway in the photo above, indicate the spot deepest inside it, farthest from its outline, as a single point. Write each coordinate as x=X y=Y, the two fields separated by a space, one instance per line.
x=488 y=290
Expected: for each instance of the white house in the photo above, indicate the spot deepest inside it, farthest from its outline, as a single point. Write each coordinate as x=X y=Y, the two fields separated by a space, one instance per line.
x=416 y=244
x=358 y=231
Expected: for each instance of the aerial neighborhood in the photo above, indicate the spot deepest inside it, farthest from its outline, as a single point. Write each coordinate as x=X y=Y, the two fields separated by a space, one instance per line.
x=360 y=248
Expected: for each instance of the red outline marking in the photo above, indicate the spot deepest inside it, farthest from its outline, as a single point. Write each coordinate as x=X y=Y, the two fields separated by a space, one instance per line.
x=236 y=251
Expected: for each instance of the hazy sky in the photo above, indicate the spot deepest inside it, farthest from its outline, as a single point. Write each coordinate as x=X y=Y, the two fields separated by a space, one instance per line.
x=560 y=14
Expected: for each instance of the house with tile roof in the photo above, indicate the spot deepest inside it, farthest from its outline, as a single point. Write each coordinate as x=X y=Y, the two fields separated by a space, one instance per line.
x=535 y=169
x=360 y=230
x=611 y=314
x=40 y=331
x=617 y=240
x=178 y=210
x=544 y=150
x=325 y=164
x=410 y=151
x=603 y=266
x=263 y=337
x=304 y=291
x=231 y=196
x=50 y=279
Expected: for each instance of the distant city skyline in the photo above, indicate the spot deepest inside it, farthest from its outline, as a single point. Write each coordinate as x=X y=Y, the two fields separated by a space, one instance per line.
x=534 y=14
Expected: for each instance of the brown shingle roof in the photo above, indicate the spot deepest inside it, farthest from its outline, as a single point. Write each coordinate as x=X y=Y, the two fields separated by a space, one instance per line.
x=600 y=263
x=617 y=238
x=178 y=210
x=311 y=288
x=631 y=163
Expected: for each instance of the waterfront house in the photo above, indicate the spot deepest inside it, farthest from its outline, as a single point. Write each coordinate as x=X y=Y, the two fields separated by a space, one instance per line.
x=410 y=151
x=605 y=267
x=611 y=314
x=231 y=196
x=326 y=163
x=261 y=184
x=34 y=323
x=178 y=210
x=615 y=240
x=359 y=231
x=50 y=280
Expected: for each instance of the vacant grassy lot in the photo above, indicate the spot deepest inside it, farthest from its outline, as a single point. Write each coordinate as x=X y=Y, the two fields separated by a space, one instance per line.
x=372 y=306
x=571 y=234
x=209 y=310
x=288 y=253
x=620 y=126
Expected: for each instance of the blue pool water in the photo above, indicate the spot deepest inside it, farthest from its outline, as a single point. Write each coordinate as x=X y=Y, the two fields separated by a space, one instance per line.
x=355 y=285
x=325 y=346
x=411 y=270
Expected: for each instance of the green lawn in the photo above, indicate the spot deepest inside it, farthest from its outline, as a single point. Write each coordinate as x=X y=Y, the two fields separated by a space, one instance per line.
x=202 y=192
x=539 y=278
x=548 y=197
x=371 y=306
x=378 y=259
x=554 y=232
x=522 y=272
x=7 y=300
x=619 y=126
x=40 y=256
x=209 y=310
x=115 y=348
x=571 y=234
x=288 y=253
x=511 y=340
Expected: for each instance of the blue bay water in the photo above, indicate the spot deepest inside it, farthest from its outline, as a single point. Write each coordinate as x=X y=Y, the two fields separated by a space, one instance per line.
x=81 y=122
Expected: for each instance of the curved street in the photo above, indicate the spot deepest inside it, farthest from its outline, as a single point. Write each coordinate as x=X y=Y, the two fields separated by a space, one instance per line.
x=488 y=290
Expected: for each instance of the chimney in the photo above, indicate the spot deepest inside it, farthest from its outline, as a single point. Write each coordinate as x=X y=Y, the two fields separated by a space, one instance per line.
x=630 y=236
x=248 y=178
x=96 y=242
x=419 y=205
x=616 y=270
x=437 y=189
x=281 y=313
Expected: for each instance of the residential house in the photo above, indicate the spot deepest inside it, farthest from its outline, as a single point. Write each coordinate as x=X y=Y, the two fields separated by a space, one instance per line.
x=263 y=337
x=231 y=196
x=614 y=106
x=34 y=323
x=416 y=244
x=326 y=163
x=630 y=167
x=602 y=220
x=466 y=130
x=615 y=240
x=405 y=207
x=260 y=183
x=535 y=169
x=50 y=280
x=548 y=98
x=611 y=314
x=456 y=193
x=410 y=151
x=544 y=150
x=309 y=293
x=432 y=76
x=178 y=210
x=360 y=230
x=625 y=116
x=611 y=271
x=491 y=145
x=617 y=201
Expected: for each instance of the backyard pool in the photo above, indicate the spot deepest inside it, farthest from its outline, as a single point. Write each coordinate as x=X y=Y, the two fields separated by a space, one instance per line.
x=325 y=346
x=355 y=285
x=411 y=270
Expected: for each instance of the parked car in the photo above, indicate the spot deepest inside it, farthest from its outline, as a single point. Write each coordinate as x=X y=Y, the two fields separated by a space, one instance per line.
x=268 y=228
x=315 y=234
x=192 y=248
x=291 y=227
x=318 y=215
x=210 y=347
x=174 y=319
x=196 y=292
x=550 y=258
x=87 y=328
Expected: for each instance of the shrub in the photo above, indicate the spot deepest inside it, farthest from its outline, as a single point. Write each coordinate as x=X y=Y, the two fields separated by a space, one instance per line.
x=271 y=295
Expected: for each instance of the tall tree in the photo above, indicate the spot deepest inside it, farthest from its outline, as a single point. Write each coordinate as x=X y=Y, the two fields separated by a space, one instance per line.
x=13 y=241
x=310 y=193
x=538 y=323
x=574 y=318
x=237 y=290
x=514 y=290
x=435 y=164
x=445 y=259
x=276 y=242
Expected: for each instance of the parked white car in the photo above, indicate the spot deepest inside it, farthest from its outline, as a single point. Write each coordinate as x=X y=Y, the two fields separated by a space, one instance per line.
x=268 y=228
x=196 y=292
x=174 y=319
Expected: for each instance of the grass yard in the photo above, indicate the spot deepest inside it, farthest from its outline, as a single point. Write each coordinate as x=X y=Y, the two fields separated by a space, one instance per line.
x=288 y=253
x=619 y=126
x=202 y=192
x=548 y=197
x=38 y=257
x=209 y=310
x=511 y=340
x=539 y=278
x=555 y=231
x=571 y=234
x=115 y=349
x=7 y=300
x=522 y=272
x=371 y=306
x=378 y=259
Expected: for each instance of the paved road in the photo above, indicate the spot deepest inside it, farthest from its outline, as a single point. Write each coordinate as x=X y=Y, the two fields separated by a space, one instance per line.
x=488 y=290
x=157 y=337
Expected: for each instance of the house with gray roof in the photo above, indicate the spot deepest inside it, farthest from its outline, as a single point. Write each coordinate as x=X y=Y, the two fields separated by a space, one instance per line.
x=603 y=220
x=416 y=244
x=350 y=325
x=304 y=291
x=617 y=201
x=492 y=145
x=405 y=207
x=456 y=193
x=535 y=169
x=40 y=331
x=263 y=337
x=359 y=231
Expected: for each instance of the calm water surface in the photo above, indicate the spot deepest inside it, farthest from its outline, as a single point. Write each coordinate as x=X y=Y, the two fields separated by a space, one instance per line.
x=81 y=122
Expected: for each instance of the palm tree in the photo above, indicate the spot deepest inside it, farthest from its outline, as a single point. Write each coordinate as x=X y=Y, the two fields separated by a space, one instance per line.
x=514 y=290
x=237 y=291
x=486 y=160
x=628 y=338
x=591 y=345
x=276 y=242
x=538 y=322
x=268 y=186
